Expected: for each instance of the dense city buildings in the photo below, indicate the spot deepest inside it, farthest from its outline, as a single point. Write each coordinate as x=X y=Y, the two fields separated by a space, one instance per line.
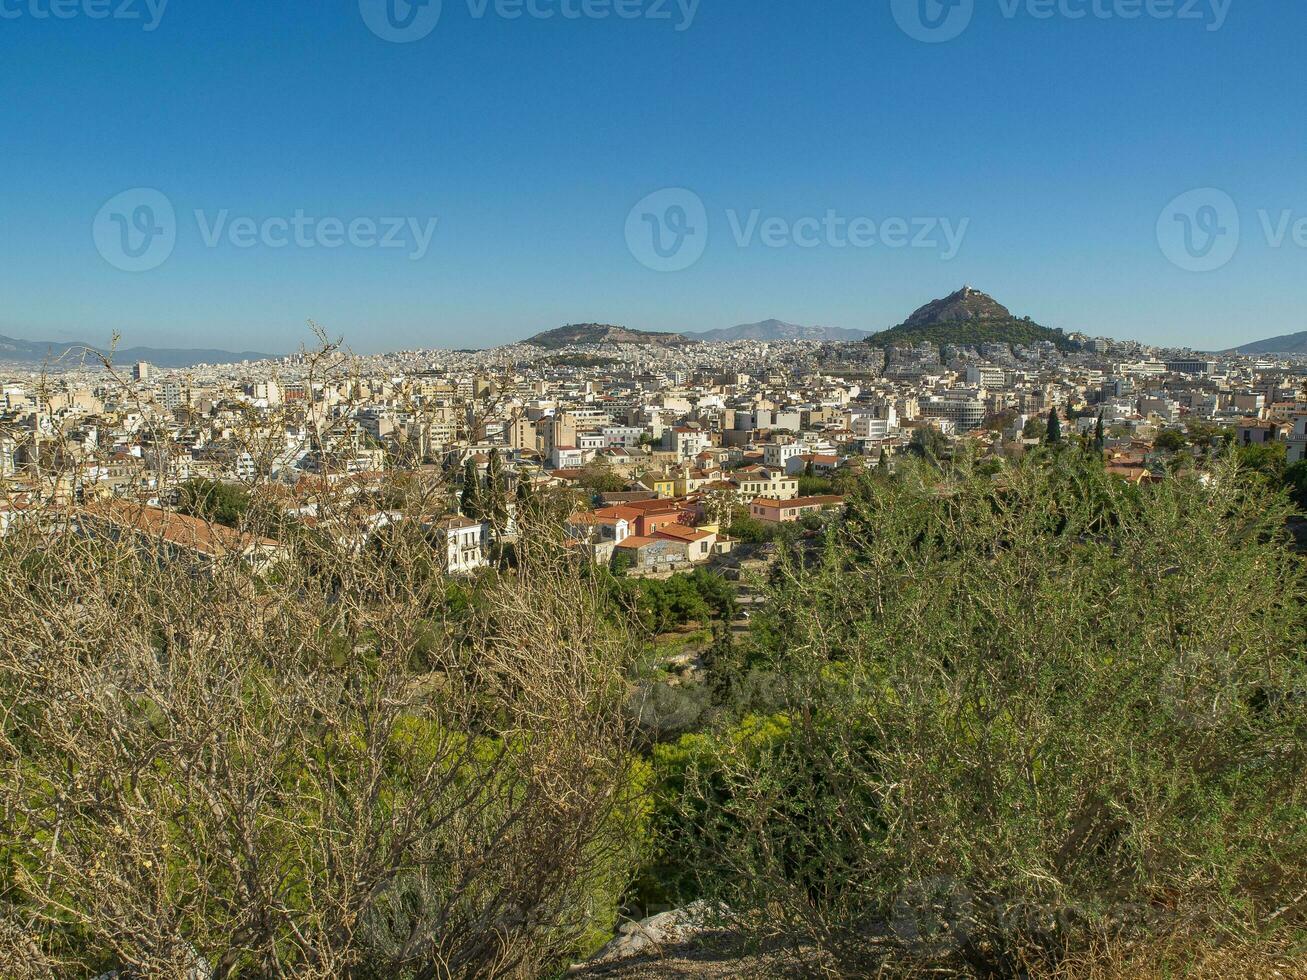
x=660 y=444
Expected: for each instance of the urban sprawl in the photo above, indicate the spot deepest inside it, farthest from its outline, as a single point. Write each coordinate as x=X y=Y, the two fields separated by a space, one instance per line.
x=672 y=454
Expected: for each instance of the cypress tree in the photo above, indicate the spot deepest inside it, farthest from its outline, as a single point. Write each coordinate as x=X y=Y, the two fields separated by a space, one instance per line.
x=471 y=504
x=1099 y=441
x=1054 y=434
x=523 y=493
x=496 y=501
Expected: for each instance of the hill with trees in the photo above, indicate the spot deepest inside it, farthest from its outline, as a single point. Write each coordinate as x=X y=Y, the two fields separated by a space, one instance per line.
x=968 y=318
x=600 y=333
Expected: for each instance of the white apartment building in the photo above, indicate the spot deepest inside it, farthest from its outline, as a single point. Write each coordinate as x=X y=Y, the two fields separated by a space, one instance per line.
x=568 y=457
x=463 y=552
x=777 y=455
x=986 y=376
x=776 y=485
x=964 y=412
x=883 y=424
x=687 y=442
x=622 y=436
x=1297 y=441
x=173 y=394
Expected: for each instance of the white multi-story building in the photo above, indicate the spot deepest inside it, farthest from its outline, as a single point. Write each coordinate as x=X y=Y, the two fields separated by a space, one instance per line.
x=777 y=455
x=763 y=483
x=173 y=394
x=568 y=458
x=1297 y=441
x=966 y=413
x=463 y=552
x=623 y=436
x=986 y=376
x=591 y=442
x=883 y=424
x=687 y=442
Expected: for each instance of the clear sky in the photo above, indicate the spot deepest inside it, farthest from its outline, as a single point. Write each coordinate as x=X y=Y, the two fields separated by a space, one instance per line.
x=1051 y=144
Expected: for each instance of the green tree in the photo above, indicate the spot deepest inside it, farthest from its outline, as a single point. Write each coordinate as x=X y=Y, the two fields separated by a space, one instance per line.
x=929 y=443
x=598 y=475
x=1170 y=441
x=1100 y=441
x=471 y=503
x=747 y=528
x=1295 y=478
x=1035 y=428
x=211 y=500
x=1053 y=428
x=1268 y=459
x=815 y=486
x=496 y=495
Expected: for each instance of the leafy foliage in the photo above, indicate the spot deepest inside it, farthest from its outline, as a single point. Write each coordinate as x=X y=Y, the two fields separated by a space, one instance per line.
x=972 y=333
x=1020 y=714
x=223 y=503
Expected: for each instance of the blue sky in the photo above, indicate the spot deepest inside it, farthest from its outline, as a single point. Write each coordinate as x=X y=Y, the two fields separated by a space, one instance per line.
x=1055 y=142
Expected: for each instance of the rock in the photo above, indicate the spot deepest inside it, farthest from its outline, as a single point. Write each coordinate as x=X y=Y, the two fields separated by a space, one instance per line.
x=665 y=930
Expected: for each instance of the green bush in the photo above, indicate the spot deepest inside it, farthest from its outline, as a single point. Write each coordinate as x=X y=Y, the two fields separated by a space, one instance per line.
x=1021 y=714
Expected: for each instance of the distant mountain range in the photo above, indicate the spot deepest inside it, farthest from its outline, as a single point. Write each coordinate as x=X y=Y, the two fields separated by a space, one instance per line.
x=600 y=333
x=968 y=318
x=768 y=330
x=1290 y=343
x=38 y=351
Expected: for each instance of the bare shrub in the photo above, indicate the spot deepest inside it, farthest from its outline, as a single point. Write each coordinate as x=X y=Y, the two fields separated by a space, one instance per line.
x=330 y=760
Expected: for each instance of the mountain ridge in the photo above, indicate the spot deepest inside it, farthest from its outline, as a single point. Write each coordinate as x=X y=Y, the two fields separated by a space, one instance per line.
x=1289 y=343
x=775 y=330
x=37 y=351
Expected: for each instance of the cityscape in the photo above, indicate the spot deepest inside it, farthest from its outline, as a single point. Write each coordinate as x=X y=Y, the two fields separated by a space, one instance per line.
x=653 y=490
x=658 y=439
